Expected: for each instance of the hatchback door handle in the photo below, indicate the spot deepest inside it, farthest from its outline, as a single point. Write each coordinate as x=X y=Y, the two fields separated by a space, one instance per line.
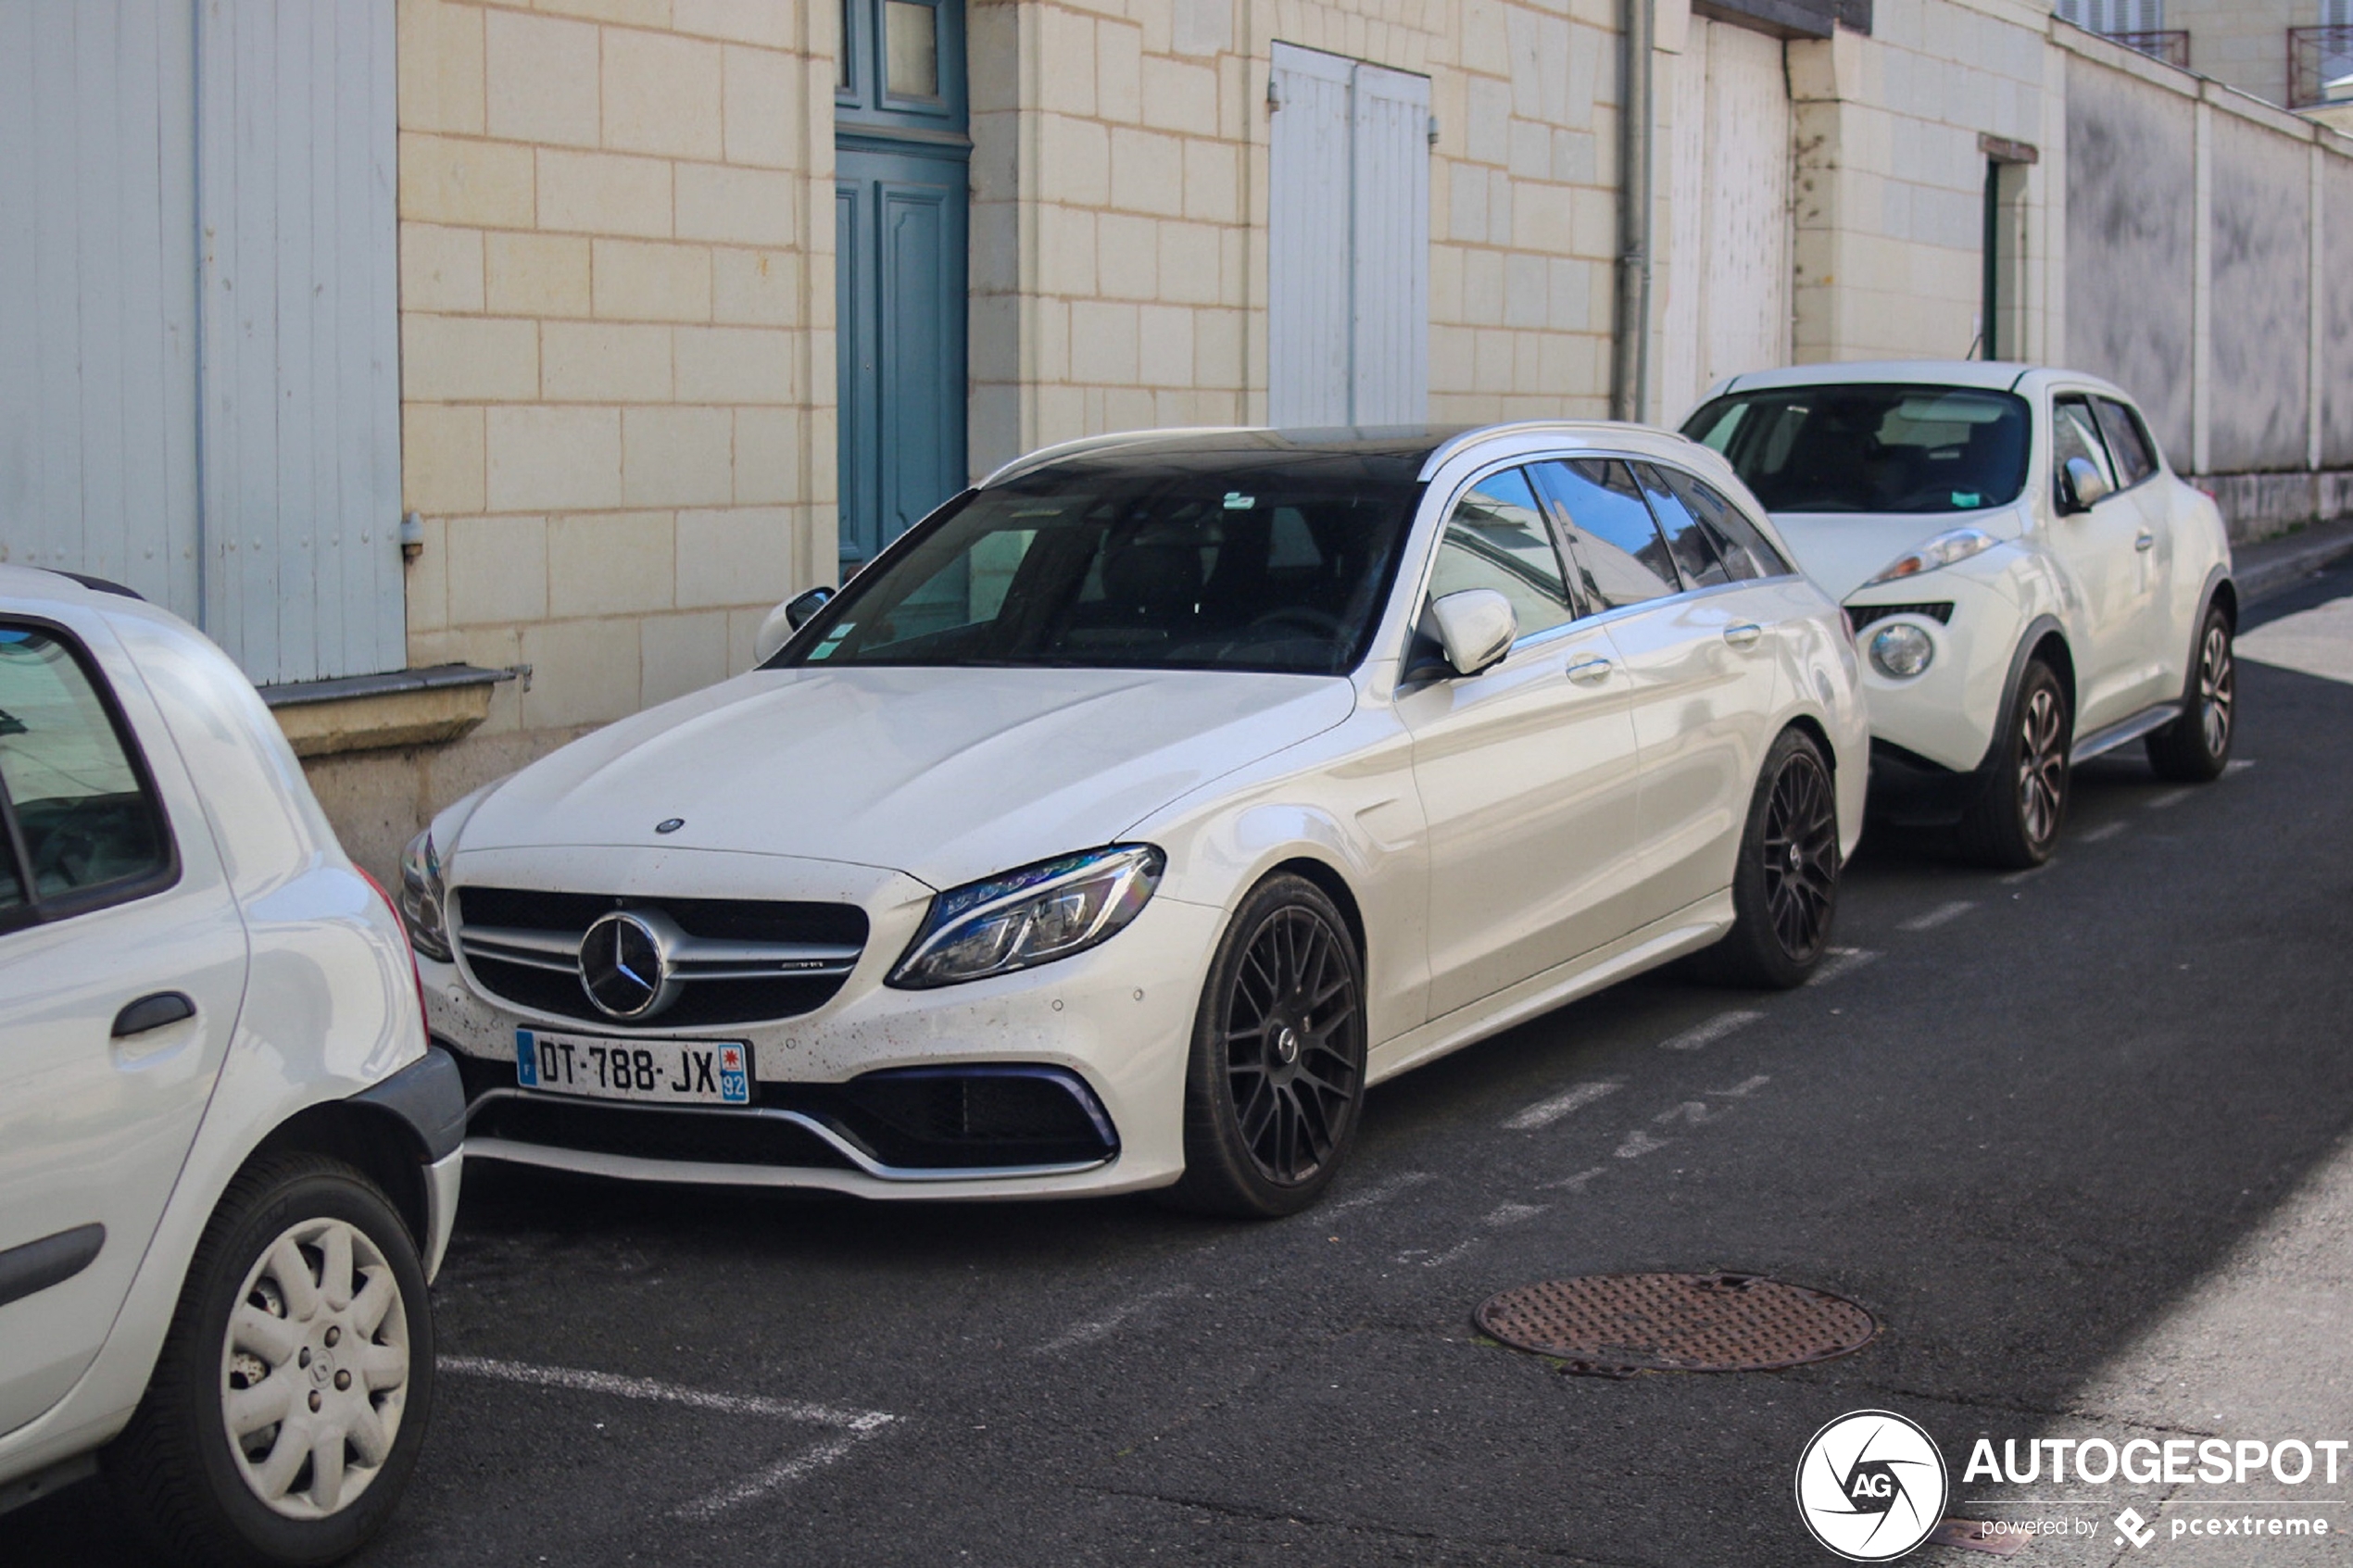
x=1586 y=672
x=1743 y=634
x=153 y=1013
x=2144 y=541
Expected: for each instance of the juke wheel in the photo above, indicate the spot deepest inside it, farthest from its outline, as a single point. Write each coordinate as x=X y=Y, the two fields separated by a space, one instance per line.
x=1785 y=885
x=1276 y=1075
x=2195 y=748
x=2014 y=822
x=295 y=1381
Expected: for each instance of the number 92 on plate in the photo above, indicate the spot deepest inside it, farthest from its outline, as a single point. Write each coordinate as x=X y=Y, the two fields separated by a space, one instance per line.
x=673 y=1071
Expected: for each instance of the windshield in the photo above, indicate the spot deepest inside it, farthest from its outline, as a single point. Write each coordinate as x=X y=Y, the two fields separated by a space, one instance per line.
x=1871 y=448
x=1169 y=567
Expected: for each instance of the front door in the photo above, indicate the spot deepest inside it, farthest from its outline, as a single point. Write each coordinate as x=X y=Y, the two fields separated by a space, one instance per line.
x=2100 y=550
x=1526 y=772
x=901 y=195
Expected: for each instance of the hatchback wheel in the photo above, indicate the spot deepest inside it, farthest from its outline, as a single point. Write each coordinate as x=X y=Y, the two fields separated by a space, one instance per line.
x=1785 y=887
x=1276 y=1075
x=2195 y=748
x=2015 y=823
x=287 y=1409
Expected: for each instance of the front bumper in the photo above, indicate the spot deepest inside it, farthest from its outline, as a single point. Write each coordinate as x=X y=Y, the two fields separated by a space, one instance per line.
x=855 y=1095
x=1932 y=733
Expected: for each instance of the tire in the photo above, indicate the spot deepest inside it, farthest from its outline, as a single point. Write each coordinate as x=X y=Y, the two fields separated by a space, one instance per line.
x=270 y=1255
x=2195 y=748
x=1785 y=883
x=1275 y=1081
x=2014 y=823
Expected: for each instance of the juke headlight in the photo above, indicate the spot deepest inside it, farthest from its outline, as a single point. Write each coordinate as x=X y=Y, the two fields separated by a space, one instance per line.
x=423 y=898
x=1902 y=650
x=1953 y=545
x=1030 y=916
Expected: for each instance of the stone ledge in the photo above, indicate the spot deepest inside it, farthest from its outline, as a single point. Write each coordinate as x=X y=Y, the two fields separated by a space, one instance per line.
x=405 y=707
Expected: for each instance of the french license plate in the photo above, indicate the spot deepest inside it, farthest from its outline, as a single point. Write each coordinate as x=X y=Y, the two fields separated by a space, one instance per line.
x=674 y=1072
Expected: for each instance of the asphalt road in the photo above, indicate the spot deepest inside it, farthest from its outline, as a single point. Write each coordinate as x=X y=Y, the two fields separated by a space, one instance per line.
x=2049 y=1128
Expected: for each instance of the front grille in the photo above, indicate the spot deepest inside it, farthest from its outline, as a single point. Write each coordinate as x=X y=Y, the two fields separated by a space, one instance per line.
x=541 y=972
x=1860 y=616
x=713 y=1137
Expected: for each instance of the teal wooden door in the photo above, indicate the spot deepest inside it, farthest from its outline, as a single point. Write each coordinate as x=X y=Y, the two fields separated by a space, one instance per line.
x=901 y=214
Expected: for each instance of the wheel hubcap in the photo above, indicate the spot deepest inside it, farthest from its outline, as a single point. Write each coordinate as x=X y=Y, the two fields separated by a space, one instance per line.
x=1801 y=857
x=314 y=1371
x=2042 y=767
x=2214 y=690
x=1293 y=1033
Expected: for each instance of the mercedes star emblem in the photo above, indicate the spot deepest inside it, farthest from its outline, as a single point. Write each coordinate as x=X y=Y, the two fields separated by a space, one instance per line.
x=670 y=824
x=621 y=967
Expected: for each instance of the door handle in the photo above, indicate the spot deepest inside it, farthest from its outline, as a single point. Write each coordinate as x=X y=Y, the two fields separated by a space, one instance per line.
x=1744 y=634
x=2145 y=540
x=153 y=1013
x=1587 y=672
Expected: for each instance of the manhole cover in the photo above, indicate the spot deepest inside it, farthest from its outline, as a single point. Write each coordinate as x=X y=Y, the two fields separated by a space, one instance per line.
x=1615 y=1326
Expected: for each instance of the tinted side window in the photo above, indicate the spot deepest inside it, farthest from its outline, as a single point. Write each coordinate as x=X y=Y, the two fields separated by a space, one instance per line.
x=1746 y=552
x=79 y=810
x=1497 y=539
x=2074 y=433
x=2126 y=441
x=1621 y=558
x=1702 y=566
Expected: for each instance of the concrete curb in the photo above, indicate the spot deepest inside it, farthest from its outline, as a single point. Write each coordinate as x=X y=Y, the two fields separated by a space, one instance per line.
x=2277 y=565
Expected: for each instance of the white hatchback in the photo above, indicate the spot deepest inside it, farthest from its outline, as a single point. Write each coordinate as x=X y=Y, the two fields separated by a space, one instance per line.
x=228 y=1156
x=1139 y=808
x=2032 y=584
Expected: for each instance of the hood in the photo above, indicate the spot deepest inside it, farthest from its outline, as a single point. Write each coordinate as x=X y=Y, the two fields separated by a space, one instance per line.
x=945 y=774
x=1841 y=551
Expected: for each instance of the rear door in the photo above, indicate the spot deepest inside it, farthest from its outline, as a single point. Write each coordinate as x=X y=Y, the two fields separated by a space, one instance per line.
x=1526 y=772
x=1702 y=662
x=122 y=967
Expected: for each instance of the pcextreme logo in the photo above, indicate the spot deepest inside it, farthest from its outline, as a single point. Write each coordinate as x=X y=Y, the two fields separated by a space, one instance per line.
x=1871 y=1485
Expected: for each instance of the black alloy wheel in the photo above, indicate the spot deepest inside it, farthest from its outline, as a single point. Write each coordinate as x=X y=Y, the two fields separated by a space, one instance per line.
x=1785 y=883
x=2015 y=822
x=1277 y=1078
x=2195 y=748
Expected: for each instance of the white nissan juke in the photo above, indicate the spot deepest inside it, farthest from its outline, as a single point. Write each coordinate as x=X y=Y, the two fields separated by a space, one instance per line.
x=1139 y=808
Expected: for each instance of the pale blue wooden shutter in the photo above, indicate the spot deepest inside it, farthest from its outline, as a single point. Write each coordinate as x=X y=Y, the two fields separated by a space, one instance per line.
x=1348 y=243
x=300 y=372
x=98 y=291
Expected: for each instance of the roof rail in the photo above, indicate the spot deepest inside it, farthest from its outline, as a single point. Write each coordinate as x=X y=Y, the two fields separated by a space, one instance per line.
x=1455 y=444
x=1062 y=449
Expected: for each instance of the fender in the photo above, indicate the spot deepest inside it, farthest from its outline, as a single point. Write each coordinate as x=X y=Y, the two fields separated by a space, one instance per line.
x=2028 y=641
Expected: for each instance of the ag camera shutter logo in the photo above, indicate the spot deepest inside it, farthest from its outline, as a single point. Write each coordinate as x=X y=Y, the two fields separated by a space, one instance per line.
x=1871 y=1485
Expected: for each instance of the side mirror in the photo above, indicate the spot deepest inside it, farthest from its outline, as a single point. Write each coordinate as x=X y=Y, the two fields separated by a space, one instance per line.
x=2082 y=485
x=784 y=621
x=1476 y=628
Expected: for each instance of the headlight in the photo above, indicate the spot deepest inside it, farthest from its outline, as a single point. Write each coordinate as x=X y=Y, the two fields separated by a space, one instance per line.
x=1031 y=916
x=1958 y=543
x=423 y=898
x=1902 y=650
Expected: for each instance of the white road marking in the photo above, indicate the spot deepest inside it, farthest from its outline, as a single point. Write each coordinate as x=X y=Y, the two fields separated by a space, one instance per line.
x=2171 y=798
x=1108 y=1324
x=1694 y=1111
x=2314 y=641
x=1939 y=915
x=2016 y=877
x=851 y=1426
x=1451 y=1253
x=1743 y=1089
x=2105 y=832
x=2237 y=765
x=1639 y=1143
x=1840 y=963
x=1708 y=1034
x=1544 y=1113
x=1380 y=1194
x=1511 y=1214
x=1577 y=1182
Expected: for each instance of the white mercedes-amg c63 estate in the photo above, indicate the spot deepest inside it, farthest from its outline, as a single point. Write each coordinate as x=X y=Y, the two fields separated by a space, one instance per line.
x=1139 y=808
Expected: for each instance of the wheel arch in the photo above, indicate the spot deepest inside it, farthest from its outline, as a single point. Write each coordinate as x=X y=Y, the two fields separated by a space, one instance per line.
x=374 y=1141
x=2043 y=642
x=1327 y=879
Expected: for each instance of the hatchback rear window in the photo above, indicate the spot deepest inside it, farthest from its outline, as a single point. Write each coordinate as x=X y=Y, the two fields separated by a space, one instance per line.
x=1871 y=448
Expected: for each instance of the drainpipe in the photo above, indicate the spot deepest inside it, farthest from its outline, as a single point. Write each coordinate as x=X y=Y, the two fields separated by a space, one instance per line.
x=1630 y=359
